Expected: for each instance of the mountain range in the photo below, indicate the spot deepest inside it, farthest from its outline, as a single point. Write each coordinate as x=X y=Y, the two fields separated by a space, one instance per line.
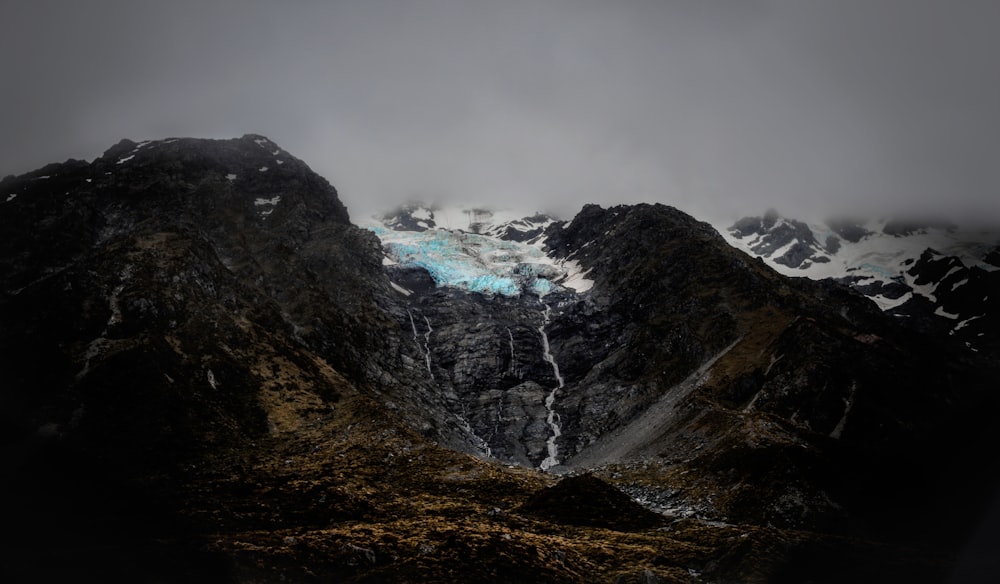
x=211 y=374
x=935 y=275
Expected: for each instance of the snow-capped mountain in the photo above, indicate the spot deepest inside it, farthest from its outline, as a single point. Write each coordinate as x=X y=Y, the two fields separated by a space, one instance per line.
x=939 y=276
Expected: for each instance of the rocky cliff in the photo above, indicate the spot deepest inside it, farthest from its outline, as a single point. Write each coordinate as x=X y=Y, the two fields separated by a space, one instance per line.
x=210 y=374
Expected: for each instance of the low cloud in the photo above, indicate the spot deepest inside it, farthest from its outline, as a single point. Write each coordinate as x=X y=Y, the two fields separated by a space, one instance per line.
x=722 y=109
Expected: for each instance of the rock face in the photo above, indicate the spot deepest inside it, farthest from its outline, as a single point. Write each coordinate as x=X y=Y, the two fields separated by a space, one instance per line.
x=692 y=360
x=210 y=374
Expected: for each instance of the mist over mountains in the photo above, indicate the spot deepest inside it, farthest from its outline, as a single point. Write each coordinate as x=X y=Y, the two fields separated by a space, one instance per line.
x=210 y=373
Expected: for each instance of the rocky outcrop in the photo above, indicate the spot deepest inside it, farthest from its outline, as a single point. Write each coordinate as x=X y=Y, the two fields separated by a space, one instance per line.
x=795 y=241
x=587 y=500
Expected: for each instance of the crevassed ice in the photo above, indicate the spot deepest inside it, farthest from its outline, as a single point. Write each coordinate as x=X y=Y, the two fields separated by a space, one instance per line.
x=474 y=262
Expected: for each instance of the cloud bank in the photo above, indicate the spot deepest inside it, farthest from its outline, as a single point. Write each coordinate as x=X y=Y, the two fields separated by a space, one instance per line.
x=720 y=108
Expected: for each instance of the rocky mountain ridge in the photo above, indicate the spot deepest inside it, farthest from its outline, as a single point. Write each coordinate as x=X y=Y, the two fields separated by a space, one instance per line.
x=210 y=374
x=611 y=408
x=937 y=276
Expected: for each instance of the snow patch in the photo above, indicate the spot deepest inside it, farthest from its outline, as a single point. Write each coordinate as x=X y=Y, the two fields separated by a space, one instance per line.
x=230 y=177
x=576 y=278
x=11 y=197
x=126 y=159
x=889 y=303
x=267 y=202
x=262 y=169
x=941 y=312
x=271 y=201
x=421 y=213
x=400 y=289
x=966 y=322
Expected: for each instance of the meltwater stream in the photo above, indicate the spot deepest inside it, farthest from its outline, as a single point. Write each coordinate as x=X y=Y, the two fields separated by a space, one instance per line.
x=426 y=347
x=552 y=418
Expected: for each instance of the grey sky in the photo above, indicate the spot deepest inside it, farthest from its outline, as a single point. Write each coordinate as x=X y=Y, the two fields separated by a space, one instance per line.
x=721 y=108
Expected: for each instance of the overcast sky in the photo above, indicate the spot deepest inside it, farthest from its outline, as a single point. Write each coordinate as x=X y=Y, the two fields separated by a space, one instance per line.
x=721 y=108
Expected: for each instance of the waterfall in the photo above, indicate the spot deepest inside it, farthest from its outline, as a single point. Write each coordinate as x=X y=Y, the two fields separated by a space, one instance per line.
x=481 y=443
x=551 y=418
x=510 y=335
x=425 y=347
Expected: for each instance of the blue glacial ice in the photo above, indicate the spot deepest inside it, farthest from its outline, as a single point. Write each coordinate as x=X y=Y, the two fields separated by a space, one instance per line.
x=474 y=262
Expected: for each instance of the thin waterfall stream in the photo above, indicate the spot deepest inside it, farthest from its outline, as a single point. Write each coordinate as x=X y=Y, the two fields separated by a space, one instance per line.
x=551 y=418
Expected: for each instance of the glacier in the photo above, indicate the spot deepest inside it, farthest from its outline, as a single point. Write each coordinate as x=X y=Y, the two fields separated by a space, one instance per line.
x=480 y=263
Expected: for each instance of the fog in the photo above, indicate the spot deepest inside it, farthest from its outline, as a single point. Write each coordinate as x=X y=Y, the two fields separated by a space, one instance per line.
x=721 y=108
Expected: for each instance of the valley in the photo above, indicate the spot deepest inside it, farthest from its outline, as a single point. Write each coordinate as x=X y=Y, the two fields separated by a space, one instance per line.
x=212 y=372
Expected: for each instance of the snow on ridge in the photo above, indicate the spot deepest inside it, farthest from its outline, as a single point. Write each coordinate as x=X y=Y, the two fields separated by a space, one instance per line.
x=878 y=257
x=885 y=303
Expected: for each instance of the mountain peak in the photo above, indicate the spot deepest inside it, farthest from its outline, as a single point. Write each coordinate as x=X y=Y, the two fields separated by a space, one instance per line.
x=206 y=178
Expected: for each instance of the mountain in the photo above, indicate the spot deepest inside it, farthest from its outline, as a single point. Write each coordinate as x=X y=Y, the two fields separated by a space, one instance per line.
x=210 y=374
x=935 y=276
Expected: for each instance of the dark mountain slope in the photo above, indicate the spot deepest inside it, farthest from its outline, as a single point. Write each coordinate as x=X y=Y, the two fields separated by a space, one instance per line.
x=257 y=213
x=799 y=392
x=208 y=376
